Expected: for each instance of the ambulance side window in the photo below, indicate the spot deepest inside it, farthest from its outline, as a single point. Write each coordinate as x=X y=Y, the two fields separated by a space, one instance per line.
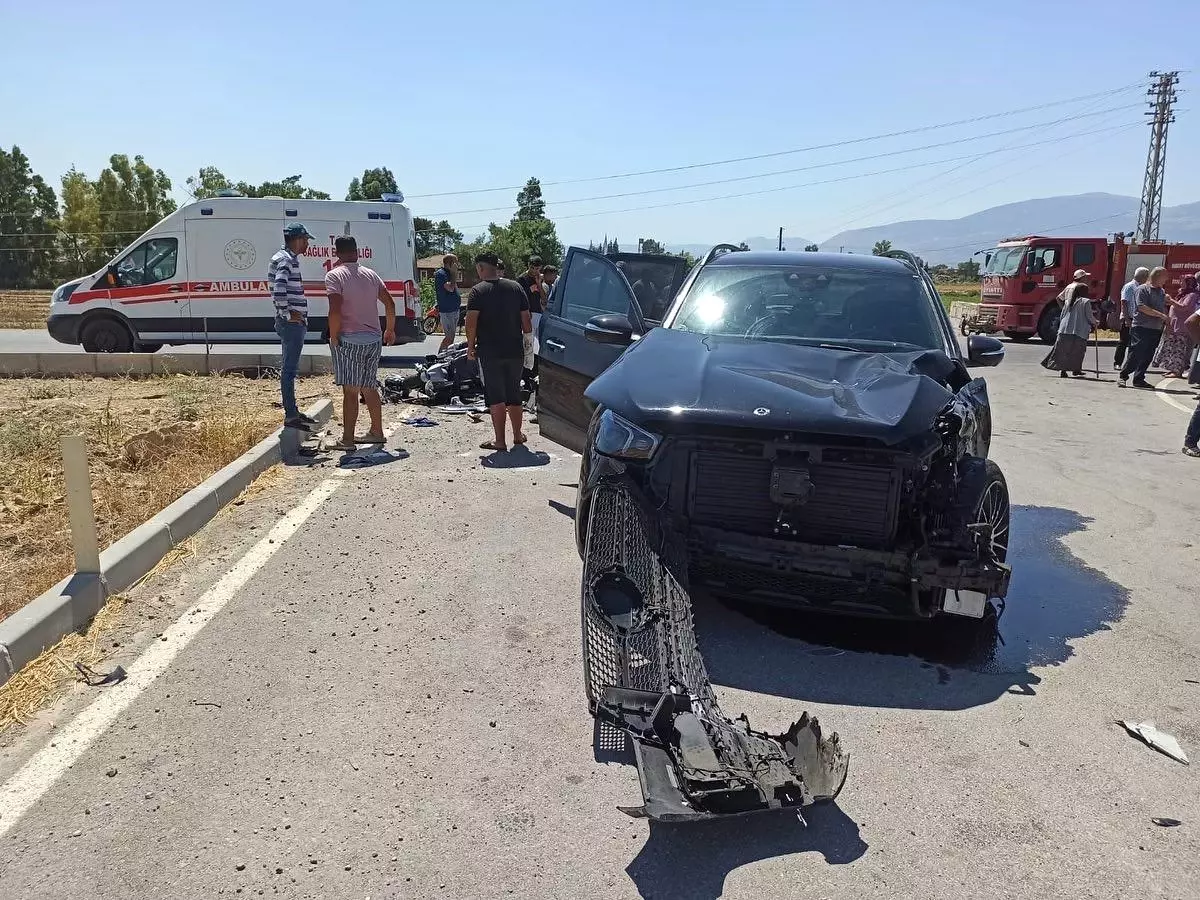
x=149 y=262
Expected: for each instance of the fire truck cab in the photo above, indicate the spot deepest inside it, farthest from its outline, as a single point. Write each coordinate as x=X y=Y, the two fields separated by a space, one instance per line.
x=1022 y=278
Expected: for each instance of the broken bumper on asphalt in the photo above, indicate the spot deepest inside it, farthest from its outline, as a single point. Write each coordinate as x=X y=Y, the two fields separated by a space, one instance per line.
x=644 y=675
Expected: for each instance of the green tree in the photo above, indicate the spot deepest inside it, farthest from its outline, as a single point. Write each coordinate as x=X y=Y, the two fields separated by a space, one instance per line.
x=289 y=188
x=80 y=225
x=881 y=248
x=688 y=258
x=530 y=205
x=208 y=182
x=742 y=245
x=373 y=185
x=435 y=237
x=811 y=248
x=28 y=209
x=613 y=246
x=650 y=245
x=968 y=271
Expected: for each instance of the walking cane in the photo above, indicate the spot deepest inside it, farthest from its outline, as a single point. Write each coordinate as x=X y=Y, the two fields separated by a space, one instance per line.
x=1096 y=341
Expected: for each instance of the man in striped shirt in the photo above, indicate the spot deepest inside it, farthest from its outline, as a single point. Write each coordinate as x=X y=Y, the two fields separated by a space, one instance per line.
x=291 y=317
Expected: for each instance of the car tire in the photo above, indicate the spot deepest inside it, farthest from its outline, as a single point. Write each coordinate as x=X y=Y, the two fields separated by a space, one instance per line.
x=1018 y=337
x=1048 y=324
x=105 y=335
x=983 y=496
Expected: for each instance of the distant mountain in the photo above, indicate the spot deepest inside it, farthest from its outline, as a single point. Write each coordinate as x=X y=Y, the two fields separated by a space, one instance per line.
x=1081 y=215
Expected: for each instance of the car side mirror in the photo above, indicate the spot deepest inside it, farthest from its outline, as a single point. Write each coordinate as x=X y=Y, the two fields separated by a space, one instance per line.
x=983 y=350
x=610 y=328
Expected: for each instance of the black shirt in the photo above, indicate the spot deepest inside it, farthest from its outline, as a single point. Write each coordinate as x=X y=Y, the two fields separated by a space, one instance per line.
x=498 y=333
x=535 y=296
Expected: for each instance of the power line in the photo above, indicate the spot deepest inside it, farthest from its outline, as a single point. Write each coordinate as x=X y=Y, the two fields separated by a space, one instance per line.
x=778 y=153
x=824 y=165
x=780 y=188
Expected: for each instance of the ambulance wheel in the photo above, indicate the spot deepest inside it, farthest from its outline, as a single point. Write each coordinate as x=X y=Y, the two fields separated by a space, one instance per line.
x=105 y=335
x=142 y=347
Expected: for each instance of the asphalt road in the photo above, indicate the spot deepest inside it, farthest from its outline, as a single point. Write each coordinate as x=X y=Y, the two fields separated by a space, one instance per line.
x=388 y=703
x=16 y=340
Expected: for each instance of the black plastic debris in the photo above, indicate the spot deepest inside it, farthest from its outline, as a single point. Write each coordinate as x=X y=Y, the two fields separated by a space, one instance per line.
x=92 y=678
x=645 y=676
x=1163 y=822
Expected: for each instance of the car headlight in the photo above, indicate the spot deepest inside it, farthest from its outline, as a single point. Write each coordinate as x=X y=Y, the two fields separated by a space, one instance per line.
x=56 y=297
x=623 y=440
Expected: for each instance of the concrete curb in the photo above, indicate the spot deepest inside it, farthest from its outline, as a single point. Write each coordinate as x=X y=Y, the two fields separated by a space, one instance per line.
x=72 y=603
x=150 y=363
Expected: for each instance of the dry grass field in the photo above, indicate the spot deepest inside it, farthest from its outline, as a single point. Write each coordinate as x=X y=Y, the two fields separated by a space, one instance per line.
x=24 y=309
x=150 y=440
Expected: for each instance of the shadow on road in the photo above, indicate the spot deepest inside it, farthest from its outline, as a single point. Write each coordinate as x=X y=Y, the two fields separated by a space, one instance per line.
x=568 y=511
x=692 y=860
x=519 y=457
x=948 y=663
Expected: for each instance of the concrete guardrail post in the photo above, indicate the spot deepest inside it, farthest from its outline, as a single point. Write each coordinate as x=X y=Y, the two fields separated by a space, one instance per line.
x=79 y=505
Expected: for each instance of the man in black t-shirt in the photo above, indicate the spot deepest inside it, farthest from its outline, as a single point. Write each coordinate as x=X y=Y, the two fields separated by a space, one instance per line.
x=497 y=322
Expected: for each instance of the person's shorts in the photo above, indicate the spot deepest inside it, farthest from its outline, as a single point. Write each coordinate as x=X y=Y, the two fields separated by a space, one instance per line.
x=356 y=361
x=449 y=323
x=501 y=380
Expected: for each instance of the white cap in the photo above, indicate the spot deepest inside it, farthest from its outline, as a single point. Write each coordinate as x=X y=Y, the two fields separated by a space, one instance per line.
x=1079 y=273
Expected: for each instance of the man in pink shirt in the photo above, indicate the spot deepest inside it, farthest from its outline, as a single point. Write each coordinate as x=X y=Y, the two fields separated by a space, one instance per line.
x=355 y=339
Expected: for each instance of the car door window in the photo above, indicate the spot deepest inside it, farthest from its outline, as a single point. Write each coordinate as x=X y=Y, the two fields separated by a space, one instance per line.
x=149 y=262
x=591 y=288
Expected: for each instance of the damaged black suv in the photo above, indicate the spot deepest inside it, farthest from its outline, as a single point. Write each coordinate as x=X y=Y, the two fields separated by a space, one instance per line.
x=805 y=422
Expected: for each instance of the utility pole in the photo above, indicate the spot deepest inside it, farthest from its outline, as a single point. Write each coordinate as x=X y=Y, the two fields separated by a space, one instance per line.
x=1162 y=113
x=780 y=237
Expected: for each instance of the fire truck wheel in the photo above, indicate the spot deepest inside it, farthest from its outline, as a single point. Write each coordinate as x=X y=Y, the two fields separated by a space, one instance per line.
x=1048 y=324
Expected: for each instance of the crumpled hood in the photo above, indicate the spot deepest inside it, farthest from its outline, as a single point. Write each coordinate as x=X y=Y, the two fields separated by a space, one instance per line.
x=679 y=379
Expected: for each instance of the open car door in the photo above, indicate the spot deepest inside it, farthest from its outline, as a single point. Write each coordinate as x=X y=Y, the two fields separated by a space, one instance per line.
x=655 y=279
x=591 y=295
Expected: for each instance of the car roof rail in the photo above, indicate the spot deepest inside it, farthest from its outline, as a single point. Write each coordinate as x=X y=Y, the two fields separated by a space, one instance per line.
x=717 y=251
x=907 y=258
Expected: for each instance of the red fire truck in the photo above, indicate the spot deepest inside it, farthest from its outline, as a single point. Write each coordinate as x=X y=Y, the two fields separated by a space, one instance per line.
x=1022 y=278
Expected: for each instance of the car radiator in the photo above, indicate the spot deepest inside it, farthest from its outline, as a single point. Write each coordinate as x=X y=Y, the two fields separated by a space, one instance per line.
x=849 y=504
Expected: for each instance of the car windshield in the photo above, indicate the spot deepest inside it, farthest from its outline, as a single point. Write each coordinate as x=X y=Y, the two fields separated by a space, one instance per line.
x=1004 y=260
x=852 y=308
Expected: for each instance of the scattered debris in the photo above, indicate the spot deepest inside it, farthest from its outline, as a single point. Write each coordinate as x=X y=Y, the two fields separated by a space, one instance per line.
x=92 y=678
x=1157 y=739
x=1023 y=743
x=111 y=773
x=205 y=703
x=1163 y=822
x=420 y=421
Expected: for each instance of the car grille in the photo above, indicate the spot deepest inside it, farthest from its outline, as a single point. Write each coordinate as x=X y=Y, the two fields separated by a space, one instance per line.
x=985 y=315
x=850 y=504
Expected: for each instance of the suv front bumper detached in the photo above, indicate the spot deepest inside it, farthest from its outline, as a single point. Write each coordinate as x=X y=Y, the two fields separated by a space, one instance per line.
x=644 y=675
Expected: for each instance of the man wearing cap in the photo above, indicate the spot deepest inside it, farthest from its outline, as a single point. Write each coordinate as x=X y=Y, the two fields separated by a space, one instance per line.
x=291 y=317
x=355 y=340
x=1128 y=310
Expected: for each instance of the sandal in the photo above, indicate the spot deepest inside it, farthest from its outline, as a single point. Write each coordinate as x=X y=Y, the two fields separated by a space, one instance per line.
x=370 y=438
x=343 y=446
x=520 y=439
x=492 y=445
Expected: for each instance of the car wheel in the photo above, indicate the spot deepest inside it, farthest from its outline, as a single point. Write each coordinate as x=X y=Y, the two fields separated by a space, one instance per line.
x=429 y=326
x=1017 y=337
x=993 y=508
x=106 y=336
x=1048 y=324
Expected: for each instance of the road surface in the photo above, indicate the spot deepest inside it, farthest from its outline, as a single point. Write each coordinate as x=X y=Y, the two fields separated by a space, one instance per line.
x=16 y=340
x=370 y=687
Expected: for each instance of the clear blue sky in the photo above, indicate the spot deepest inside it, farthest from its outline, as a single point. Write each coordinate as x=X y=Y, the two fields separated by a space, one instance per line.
x=484 y=94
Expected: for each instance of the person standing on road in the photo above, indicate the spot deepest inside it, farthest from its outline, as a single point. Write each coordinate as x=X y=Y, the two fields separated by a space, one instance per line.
x=549 y=276
x=291 y=318
x=1128 y=310
x=1175 y=352
x=497 y=321
x=355 y=341
x=1075 y=324
x=531 y=282
x=1149 y=318
x=449 y=304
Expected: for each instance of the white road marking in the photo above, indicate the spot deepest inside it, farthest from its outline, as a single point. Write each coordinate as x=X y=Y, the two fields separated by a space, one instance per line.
x=31 y=781
x=1166 y=384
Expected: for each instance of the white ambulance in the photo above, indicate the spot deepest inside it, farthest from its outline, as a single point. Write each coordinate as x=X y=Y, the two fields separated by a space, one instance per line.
x=199 y=275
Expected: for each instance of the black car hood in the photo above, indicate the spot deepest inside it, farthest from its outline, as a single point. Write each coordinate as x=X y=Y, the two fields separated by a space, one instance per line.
x=680 y=379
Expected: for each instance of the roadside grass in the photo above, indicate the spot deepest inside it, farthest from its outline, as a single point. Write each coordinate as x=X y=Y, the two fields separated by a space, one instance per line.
x=150 y=440
x=24 y=309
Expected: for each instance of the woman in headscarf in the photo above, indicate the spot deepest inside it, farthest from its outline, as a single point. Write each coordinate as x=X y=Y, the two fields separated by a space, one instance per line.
x=1075 y=324
x=1175 y=351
